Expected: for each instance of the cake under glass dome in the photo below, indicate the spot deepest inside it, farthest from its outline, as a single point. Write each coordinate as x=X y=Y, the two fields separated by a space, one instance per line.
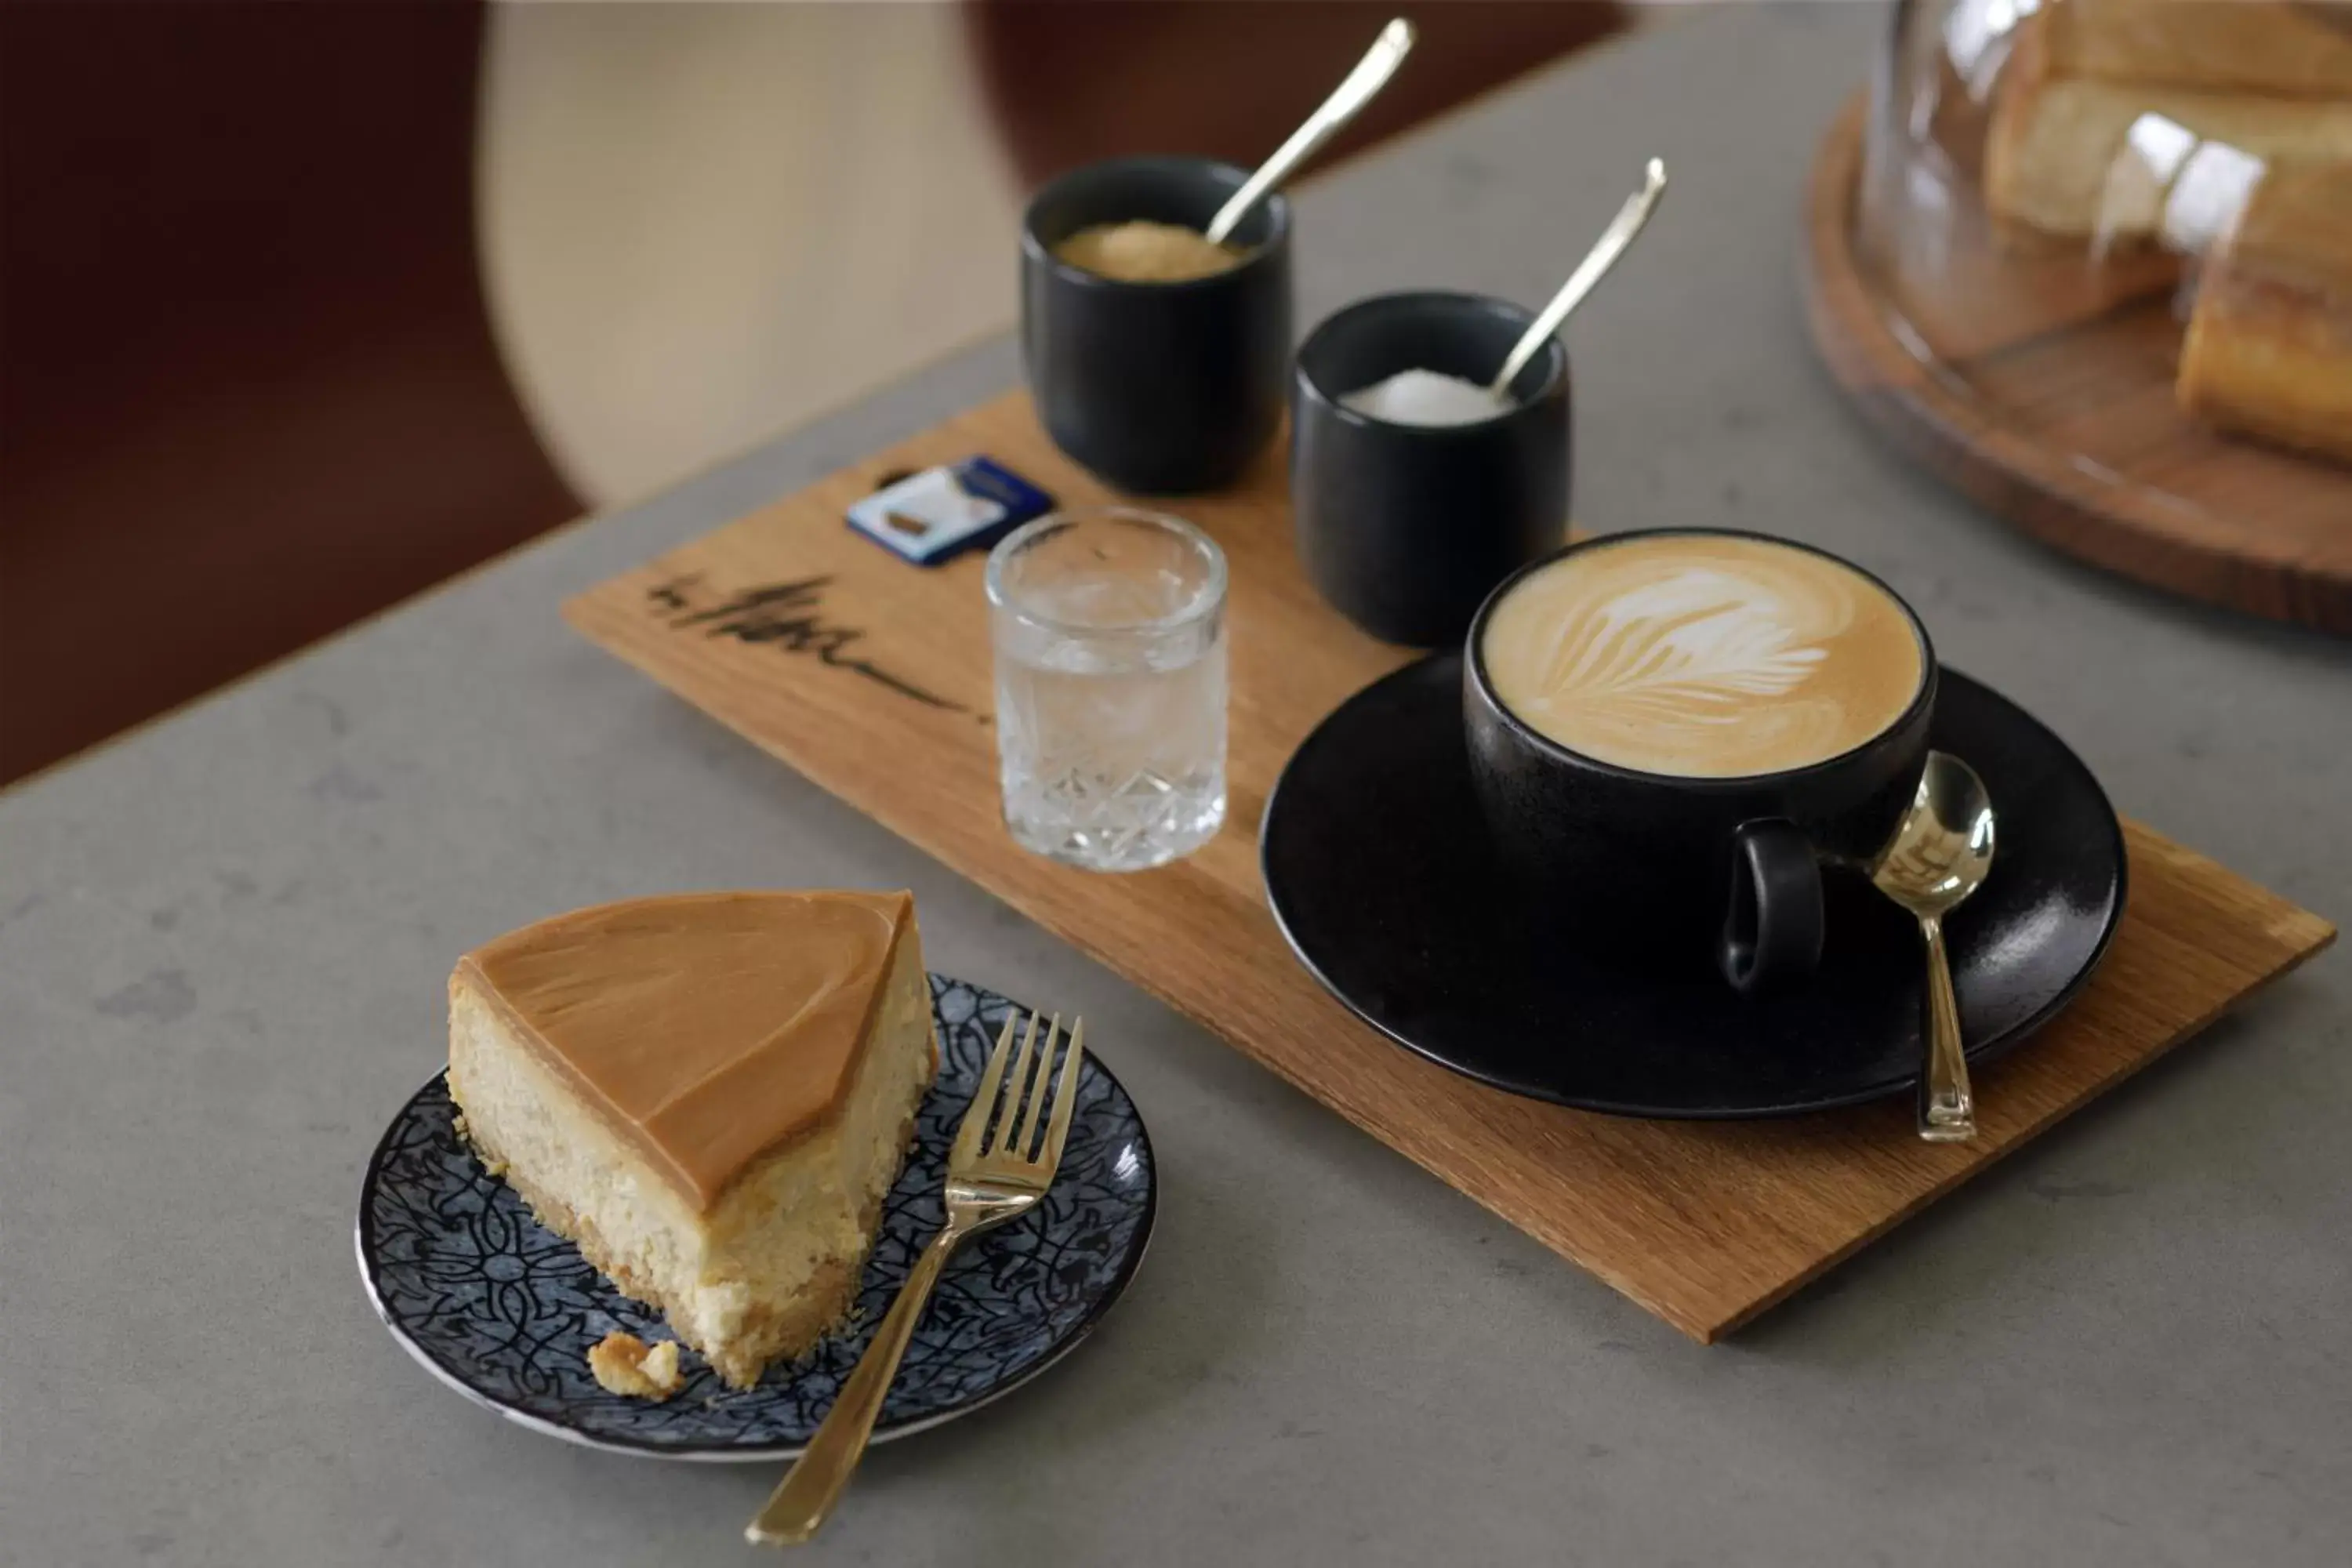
x=2099 y=252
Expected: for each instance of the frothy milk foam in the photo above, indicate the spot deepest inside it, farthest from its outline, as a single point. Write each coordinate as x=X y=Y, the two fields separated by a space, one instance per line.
x=1703 y=656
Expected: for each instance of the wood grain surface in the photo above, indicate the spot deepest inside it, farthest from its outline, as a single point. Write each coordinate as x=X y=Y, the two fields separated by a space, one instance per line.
x=2050 y=399
x=872 y=678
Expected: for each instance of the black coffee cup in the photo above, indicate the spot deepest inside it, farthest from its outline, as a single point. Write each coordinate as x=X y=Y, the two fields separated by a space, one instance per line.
x=1405 y=528
x=1160 y=388
x=1681 y=868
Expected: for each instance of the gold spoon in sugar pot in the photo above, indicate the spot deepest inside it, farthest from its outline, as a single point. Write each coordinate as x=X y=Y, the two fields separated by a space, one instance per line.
x=1941 y=852
x=1359 y=87
x=1620 y=233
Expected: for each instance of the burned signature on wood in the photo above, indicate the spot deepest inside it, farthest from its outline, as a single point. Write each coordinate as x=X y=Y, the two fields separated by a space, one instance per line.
x=784 y=614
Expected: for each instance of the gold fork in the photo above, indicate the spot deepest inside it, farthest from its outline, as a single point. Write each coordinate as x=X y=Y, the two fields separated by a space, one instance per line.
x=989 y=1180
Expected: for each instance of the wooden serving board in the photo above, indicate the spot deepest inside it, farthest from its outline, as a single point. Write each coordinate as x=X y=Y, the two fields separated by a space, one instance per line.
x=872 y=678
x=2051 y=402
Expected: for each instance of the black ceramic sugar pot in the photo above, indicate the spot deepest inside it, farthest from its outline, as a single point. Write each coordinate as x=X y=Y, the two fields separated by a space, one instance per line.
x=1405 y=528
x=1162 y=388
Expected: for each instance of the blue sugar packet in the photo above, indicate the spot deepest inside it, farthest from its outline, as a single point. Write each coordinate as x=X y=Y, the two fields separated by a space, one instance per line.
x=940 y=512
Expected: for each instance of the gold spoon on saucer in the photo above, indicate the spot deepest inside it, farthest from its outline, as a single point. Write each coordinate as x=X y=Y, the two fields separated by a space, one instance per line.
x=1941 y=854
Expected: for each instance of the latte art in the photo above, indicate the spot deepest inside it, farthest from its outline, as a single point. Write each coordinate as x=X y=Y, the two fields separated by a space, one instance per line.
x=1702 y=656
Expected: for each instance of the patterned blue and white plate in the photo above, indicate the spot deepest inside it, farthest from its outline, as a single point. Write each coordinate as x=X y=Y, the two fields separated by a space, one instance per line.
x=504 y=1311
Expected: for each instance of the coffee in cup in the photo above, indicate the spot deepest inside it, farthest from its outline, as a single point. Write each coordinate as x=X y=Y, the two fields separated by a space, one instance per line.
x=1671 y=732
x=1702 y=656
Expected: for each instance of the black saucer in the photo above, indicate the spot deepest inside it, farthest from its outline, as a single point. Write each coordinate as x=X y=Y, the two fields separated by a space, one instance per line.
x=1379 y=870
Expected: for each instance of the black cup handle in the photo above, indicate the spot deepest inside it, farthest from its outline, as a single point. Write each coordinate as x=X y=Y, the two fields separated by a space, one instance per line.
x=1772 y=934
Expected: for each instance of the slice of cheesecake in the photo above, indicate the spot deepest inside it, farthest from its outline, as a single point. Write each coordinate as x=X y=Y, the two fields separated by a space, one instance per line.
x=711 y=1093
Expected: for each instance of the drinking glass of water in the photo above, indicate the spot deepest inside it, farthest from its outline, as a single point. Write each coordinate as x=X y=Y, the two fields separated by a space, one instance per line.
x=1109 y=632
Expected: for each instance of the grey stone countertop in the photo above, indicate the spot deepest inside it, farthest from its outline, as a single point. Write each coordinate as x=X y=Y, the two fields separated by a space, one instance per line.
x=222 y=944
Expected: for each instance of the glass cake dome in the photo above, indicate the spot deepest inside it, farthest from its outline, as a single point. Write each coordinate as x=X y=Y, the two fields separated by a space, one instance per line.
x=2099 y=252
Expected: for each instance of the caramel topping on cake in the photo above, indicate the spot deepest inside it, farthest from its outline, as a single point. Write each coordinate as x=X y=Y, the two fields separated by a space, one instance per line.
x=708 y=1028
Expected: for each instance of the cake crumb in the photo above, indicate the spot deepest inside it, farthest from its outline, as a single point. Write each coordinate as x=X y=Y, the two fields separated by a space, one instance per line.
x=626 y=1365
x=465 y=1136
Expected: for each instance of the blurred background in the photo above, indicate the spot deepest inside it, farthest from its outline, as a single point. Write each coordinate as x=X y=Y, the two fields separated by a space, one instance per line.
x=305 y=307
